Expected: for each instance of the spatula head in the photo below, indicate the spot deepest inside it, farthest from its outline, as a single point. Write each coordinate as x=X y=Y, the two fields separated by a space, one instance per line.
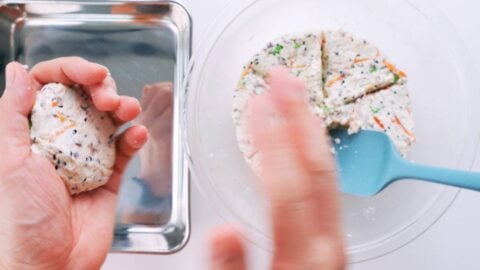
x=363 y=160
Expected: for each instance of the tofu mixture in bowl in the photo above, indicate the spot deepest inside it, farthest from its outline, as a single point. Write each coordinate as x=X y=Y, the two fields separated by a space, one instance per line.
x=350 y=84
x=395 y=66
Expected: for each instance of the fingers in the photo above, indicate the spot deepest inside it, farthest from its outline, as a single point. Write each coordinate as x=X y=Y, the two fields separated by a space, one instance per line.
x=69 y=70
x=228 y=252
x=104 y=95
x=128 y=143
x=19 y=94
x=299 y=174
x=312 y=145
x=288 y=186
x=96 y=81
x=15 y=105
x=306 y=129
x=161 y=91
x=128 y=109
x=157 y=103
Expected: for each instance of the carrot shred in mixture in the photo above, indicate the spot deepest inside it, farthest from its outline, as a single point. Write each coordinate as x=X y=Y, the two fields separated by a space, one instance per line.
x=394 y=69
x=61 y=131
x=333 y=81
x=54 y=103
x=359 y=60
x=246 y=71
x=397 y=121
x=378 y=52
x=379 y=122
x=61 y=116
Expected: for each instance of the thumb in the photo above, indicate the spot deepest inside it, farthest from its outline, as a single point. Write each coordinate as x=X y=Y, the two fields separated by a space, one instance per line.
x=19 y=94
x=15 y=105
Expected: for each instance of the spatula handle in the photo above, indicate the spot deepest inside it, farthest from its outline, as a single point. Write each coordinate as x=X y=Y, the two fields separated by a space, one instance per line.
x=407 y=170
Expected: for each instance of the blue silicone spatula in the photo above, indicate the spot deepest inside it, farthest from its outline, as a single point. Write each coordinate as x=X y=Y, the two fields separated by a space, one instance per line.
x=368 y=162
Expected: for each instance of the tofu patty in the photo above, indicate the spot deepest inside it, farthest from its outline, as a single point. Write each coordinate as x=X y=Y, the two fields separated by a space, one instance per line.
x=74 y=136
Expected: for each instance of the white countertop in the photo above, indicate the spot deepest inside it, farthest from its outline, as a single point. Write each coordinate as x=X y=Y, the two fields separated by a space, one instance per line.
x=452 y=243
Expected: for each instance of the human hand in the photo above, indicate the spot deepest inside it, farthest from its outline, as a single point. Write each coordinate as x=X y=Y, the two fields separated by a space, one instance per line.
x=155 y=177
x=42 y=226
x=298 y=177
x=156 y=155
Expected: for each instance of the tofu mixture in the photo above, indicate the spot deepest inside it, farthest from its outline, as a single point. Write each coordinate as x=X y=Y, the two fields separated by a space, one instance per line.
x=74 y=136
x=350 y=84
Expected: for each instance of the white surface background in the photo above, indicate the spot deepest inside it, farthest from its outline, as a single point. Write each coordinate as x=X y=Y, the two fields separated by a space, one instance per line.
x=452 y=243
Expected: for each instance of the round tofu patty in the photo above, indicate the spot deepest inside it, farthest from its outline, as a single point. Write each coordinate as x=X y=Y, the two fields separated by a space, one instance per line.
x=74 y=136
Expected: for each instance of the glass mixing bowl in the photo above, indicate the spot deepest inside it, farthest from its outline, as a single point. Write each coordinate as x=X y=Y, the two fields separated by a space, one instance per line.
x=416 y=37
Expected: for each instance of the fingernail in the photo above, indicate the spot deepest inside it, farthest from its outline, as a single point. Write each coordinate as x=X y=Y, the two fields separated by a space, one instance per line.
x=10 y=72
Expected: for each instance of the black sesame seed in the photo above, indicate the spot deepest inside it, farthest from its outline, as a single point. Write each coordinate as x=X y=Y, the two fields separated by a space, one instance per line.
x=54 y=157
x=64 y=163
x=85 y=119
x=78 y=144
x=56 y=167
x=75 y=131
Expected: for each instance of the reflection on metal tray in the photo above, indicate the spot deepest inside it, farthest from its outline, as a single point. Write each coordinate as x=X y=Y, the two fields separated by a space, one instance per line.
x=146 y=46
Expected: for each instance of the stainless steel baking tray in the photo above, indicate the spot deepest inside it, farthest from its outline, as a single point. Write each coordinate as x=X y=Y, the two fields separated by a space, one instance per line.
x=146 y=46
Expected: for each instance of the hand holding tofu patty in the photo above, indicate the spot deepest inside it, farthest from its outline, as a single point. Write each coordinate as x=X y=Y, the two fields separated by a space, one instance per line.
x=46 y=228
